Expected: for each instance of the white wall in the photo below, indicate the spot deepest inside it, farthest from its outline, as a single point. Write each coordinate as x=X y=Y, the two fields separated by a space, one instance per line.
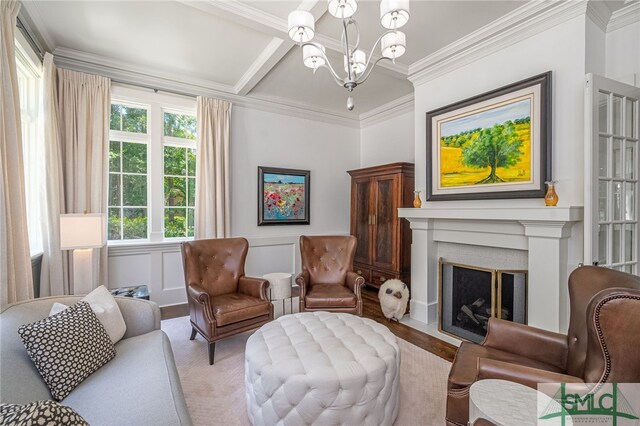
x=623 y=54
x=595 y=48
x=388 y=141
x=258 y=138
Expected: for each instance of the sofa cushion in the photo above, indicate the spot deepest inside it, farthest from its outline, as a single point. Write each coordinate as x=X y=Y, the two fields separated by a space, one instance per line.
x=67 y=347
x=40 y=413
x=137 y=384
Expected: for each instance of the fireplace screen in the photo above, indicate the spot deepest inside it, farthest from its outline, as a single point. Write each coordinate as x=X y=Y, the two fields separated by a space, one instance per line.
x=470 y=295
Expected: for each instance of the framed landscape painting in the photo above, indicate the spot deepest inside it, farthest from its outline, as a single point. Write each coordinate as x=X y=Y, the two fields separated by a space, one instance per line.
x=283 y=196
x=494 y=145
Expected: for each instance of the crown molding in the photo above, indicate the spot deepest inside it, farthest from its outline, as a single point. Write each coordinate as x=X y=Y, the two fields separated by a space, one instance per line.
x=141 y=77
x=389 y=110
x=519 y=24
x=599 y=13
x=622 y=17
x=126 y=73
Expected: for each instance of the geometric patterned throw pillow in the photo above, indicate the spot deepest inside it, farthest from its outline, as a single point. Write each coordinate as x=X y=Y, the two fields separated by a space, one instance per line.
x=39 y=413
x=67 y=347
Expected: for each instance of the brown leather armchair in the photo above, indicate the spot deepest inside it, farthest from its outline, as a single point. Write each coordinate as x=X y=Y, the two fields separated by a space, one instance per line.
x=222 y=301
x=603 y=332
x=327 y=281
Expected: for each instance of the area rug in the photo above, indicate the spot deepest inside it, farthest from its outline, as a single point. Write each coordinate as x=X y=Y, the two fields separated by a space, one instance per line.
x=215 y=394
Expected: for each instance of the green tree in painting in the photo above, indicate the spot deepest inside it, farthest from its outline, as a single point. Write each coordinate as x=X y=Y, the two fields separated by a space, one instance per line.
x=498 y=146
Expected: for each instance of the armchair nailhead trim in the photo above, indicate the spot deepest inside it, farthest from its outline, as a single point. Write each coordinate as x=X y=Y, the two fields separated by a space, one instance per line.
x=603 y=344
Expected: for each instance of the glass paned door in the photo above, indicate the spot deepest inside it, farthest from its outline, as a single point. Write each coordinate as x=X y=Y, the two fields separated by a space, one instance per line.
x=611 y=174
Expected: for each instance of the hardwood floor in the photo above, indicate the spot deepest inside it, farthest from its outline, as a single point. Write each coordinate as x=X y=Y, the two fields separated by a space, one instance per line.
x=371 y=309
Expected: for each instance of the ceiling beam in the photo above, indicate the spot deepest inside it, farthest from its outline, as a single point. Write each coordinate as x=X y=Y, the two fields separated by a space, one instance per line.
x=270 y=56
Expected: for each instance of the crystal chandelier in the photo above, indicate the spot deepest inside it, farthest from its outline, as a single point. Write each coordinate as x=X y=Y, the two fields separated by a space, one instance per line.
x=393 y=15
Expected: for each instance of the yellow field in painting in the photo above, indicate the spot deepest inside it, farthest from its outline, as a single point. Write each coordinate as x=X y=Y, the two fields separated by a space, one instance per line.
x=454 y=173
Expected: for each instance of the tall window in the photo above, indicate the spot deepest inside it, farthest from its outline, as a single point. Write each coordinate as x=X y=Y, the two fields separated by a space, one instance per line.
x=128 y=211
x=179 y=174
x=30 y=89
x=152 y=166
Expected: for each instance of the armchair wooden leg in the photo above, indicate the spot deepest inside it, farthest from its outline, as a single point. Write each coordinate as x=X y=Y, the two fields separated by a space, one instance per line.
x=193 y=333
x=212 y=351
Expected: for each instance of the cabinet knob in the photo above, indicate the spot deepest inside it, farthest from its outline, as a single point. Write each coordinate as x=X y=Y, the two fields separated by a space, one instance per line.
x=359 y=272
x=382 y=279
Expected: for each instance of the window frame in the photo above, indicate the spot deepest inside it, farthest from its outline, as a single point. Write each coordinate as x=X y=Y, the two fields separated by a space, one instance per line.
x=122 y=136
x=179 y=143
x=156 y=104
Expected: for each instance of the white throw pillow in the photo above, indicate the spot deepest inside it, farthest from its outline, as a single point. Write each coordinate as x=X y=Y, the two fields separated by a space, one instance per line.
x=106 y=309
x=57 y=308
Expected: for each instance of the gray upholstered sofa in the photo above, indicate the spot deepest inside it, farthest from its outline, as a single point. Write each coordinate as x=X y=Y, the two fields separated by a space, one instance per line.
x=139 y=386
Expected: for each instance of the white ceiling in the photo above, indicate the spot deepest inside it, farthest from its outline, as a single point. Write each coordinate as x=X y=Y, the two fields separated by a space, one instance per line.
x=241 y=47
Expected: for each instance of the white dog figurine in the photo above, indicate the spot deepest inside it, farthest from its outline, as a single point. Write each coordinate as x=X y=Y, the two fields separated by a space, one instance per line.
x=393 y=295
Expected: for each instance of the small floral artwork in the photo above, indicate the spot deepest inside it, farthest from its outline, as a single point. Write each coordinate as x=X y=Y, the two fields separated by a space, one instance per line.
x=284 y=196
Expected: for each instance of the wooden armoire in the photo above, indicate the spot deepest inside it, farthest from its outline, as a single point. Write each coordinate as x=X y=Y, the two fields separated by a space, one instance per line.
x=384 y=239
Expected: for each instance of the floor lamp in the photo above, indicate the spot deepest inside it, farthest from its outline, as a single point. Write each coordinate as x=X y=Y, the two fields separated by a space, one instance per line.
x=83 y=233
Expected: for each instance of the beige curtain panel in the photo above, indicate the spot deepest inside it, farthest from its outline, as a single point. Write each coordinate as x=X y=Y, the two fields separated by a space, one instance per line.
x=212 y=218
x=54 y=280
x=15 y=261
x=84 y=104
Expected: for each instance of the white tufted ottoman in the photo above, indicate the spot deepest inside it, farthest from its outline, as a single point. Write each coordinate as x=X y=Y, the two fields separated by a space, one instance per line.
x=322 y=368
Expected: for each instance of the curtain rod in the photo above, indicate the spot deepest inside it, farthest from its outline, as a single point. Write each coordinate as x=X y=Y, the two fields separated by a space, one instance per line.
x=30 y=39
x=155 y=89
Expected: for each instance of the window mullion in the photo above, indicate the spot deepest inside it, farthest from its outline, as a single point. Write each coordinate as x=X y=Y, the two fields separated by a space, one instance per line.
x=156 y=171
x=121 y=178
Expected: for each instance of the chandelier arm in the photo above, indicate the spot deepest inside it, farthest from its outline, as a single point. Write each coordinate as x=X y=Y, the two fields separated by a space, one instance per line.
x=333 y=73
x=345 y=39
x=364 y=76
x=373 y=48
x=355 y=24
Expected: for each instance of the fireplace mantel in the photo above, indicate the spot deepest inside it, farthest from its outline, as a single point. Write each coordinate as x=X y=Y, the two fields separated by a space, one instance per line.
x=542 y=231
x=517 y=214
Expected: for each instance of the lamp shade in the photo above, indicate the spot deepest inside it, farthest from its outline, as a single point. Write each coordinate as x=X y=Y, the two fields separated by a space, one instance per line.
x=312 y=56
x=80 y=231
x=393 y=45
x=301 y=26
x=342 y=8
x=359 y=62
x=394 y=13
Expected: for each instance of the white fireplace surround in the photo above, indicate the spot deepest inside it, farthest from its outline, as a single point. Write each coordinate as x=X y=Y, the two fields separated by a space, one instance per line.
x=544 y=232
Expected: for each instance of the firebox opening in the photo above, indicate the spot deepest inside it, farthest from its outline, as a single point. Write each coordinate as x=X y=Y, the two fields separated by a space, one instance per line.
x=470 y=295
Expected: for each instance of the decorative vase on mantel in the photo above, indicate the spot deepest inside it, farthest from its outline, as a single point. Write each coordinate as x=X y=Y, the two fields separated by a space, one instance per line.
x=417 y=202
x=551 y=198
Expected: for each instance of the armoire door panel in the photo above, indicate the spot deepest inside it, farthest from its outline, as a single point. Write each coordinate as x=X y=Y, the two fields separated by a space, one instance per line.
x=361 y=219
x=385 y=227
